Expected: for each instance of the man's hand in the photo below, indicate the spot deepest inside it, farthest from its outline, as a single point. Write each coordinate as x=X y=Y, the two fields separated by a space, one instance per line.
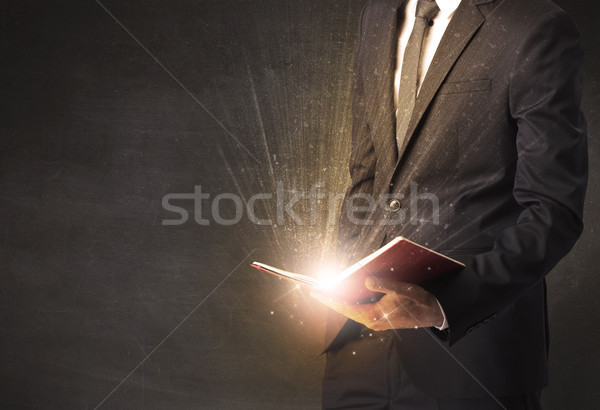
x=403 y=306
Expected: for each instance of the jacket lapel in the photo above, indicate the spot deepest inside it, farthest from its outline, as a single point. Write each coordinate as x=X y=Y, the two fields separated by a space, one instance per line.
x=464 y=24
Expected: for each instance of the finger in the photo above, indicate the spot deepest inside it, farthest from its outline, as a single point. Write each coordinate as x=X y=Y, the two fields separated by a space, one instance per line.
x=365 y=314
x=376 y=285
x=358 y=313
x=385 y=286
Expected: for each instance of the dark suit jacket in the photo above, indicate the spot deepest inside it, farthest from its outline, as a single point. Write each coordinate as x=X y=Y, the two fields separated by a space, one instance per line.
x=498 y=140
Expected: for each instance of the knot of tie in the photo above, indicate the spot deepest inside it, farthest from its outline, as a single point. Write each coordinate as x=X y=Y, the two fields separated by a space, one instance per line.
x=426 y=9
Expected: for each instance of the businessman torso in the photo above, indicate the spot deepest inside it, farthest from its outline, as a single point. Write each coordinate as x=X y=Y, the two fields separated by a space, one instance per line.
x=492 y=173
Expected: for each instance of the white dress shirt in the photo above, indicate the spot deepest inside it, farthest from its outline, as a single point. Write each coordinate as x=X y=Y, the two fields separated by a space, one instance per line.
x=431 y=41
x=432 y=38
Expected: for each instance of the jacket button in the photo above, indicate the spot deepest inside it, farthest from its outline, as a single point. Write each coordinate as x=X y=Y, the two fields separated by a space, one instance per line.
x=394 y=205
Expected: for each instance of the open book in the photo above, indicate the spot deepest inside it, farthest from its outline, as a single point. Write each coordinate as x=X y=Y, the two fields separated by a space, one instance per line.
x=400 y=260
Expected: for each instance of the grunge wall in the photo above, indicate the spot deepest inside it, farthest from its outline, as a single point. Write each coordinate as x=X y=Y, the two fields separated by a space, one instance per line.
x=108 y=108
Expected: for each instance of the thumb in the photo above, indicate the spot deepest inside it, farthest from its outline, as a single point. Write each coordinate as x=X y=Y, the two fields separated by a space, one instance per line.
x=376 y=285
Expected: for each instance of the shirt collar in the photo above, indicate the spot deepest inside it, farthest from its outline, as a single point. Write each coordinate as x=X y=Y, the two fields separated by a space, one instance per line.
x=448 y=7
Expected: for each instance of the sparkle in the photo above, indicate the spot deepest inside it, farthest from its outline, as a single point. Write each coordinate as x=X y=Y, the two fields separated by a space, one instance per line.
x=354 y=353
x=272 y=312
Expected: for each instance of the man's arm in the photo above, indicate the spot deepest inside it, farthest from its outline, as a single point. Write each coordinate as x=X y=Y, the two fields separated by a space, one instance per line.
x=549 y=185
x=550 y=181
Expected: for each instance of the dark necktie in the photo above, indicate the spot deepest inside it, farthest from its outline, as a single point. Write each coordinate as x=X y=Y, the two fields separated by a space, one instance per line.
x=409 y=76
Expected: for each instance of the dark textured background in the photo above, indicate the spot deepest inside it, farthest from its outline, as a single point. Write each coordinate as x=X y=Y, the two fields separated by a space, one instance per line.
x=102 y=304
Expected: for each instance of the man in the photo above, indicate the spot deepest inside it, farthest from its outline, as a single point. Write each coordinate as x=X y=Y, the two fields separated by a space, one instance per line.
x=467 y=138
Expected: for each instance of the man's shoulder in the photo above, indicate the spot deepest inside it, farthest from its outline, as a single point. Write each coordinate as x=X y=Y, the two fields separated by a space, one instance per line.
x=528 y=6
x=382 y=6
x=517 y=16
x=526 y=16
x=516 y=8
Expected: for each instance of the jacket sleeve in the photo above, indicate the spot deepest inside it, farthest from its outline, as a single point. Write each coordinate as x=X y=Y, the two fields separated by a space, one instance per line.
x=549 y=184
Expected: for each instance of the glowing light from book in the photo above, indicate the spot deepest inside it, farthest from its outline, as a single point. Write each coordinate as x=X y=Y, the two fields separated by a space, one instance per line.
x=328 y=282
x=327 y=275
